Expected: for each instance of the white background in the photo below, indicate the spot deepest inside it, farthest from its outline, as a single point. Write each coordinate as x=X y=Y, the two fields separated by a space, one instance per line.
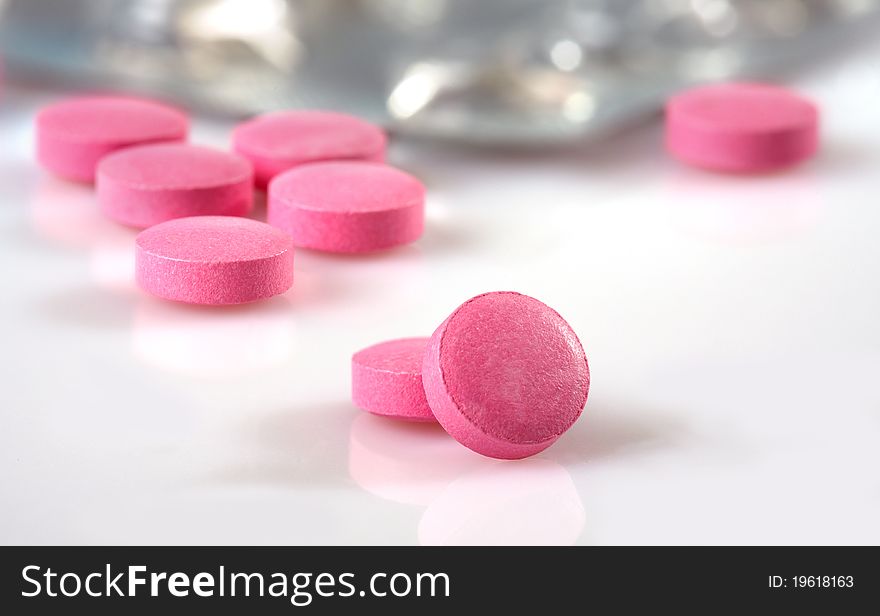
x=731 y=325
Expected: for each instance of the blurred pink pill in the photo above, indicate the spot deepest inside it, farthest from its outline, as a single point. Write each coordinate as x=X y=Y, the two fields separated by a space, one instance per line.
x=276 y=142
x=386 y=379
x=505 y=375
x=214 y=260
x=741 y=127
x=73 y=135
x=146 y=185
x=348 y=207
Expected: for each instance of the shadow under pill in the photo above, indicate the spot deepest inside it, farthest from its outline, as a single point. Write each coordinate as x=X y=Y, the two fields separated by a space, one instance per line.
x=259 y=210
x=341 y=282
x=444 y=235
x=314 y=284
x=605 y=433
x=287 y=448
x=89 y=307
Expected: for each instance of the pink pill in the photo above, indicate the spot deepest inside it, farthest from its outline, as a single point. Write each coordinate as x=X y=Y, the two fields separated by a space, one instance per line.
x=214 y=260
x=73 y=135
x=386 y=379
x=146 y=185
x=741 y=127
x=348 y=207
x=505 y=375
x=277 y=142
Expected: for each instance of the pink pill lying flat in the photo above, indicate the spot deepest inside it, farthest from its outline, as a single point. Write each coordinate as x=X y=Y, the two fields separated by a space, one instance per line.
x=73 y=135
x=741 y=127
x=146 y=185
x=214 y=260
x=505 y=375
x=277 y=142
x=386 y=379
x=348 y=207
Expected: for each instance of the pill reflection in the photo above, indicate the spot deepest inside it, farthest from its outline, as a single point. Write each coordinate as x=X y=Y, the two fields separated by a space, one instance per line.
x=67 y=214
x=405 y=462
x=469 y=499
x=742 y=209
x=111 y=260
x=531 y=502
x=213 y=341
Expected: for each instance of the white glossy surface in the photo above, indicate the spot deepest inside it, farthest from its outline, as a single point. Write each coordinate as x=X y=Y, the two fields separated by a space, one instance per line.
x=732 y=327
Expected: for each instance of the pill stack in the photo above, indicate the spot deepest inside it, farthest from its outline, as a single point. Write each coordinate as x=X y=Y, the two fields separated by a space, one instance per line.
x=505 y=375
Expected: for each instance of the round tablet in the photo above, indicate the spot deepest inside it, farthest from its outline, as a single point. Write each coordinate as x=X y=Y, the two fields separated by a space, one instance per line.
x=214 y=260
x=386 y=379
x=146 y=185
x=348 y=207
x=276 y=142
x=741 y=127
x=73 y=135
x=505 y=375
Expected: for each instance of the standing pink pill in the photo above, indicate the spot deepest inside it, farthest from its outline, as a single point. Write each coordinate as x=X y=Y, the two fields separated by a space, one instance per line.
x=505 y=375
x=386 y=379
x=146 y=185
x=276 y=142
x=75 y=134
x=214 y=260
x=741 y=127
x=348 y=207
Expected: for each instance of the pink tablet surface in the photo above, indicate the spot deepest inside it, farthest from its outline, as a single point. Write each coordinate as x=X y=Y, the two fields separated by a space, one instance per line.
x=348 y=207
x=505 y=375
x=741 y=127
x=386 y=379
x=75 y=134
x=276 y=142
x=214 y=260
x=145 y=185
